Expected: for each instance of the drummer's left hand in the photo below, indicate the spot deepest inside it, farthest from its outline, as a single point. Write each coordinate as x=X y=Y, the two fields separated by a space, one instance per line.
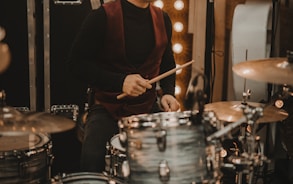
x=169 y=103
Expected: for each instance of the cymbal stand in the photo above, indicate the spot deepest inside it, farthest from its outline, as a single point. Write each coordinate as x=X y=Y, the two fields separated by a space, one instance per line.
x=251 y=157
x=214 y=147
x=246 y=93
x=245 y=97
x=246 y=162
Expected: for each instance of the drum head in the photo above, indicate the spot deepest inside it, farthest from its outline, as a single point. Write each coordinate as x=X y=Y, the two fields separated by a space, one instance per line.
x=88 y=178
x=160 y=119
x=115 y=142
x=24 y=157
x=10 y=141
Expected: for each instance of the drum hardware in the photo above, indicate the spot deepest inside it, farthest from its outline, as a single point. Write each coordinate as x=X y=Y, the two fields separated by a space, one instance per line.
x=108 y=166
x=164 y=171
x=68 y=2
x=243 y=163
x=211 y=122
x=246 y=95
x=70 y=111
x=161 y=136
x=214 y=160
x=22 y=109
x=282 y=96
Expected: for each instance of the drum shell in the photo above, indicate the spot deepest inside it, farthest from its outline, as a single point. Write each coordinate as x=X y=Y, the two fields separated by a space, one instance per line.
x=25 y=160
x=184 y=150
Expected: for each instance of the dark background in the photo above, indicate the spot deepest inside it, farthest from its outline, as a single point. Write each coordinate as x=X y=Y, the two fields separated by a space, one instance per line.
x=65 y=21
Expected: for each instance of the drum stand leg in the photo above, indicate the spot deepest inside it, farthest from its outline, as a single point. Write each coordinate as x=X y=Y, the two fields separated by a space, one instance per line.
x=267 y=144
x=239 y=177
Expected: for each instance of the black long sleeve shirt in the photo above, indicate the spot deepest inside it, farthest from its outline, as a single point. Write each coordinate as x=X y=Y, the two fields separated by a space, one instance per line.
x=139 y=41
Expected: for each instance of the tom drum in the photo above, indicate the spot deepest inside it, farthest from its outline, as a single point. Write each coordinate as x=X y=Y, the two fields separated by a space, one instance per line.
x=24 y=157
x=165 y=147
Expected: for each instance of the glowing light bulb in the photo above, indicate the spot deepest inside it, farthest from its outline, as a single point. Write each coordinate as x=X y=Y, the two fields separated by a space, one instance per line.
x=179 y=5
x=177 y=48
x=177 y=90
x=159 y=4
x=178 y=26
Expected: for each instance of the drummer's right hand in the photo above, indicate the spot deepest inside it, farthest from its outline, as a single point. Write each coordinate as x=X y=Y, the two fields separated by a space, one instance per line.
x=135 y=85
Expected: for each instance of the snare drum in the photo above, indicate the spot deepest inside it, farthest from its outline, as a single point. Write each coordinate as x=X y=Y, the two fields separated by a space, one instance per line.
x=164 y=147
x=117 y=165
x=85 y=177
x=24 y=157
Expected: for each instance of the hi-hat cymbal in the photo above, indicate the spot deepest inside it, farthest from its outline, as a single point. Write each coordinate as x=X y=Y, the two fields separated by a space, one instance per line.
x=232 y=111
x=272 y=70
x=37 y=122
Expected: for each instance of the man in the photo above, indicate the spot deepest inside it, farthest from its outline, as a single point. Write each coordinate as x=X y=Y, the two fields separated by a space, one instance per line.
x=120 y=47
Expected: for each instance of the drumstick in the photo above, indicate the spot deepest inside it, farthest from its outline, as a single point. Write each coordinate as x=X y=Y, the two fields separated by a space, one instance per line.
x=156 y=79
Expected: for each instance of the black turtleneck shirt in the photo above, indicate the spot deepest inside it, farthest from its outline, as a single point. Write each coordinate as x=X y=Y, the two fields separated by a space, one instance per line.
x=139 y=41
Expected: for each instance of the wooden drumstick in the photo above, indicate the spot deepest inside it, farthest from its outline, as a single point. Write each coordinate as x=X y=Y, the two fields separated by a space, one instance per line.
x=156 y=79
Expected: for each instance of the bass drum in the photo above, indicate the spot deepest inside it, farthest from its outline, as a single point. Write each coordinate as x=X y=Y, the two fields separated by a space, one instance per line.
x=24 y=157
x=85 y=177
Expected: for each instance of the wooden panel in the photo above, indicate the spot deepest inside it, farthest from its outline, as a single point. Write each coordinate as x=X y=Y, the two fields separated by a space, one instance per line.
x=219 y=49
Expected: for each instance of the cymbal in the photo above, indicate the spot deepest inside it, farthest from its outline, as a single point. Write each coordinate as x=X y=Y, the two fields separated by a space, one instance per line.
x=37 y=122
x=231 y=111
x=271 y=70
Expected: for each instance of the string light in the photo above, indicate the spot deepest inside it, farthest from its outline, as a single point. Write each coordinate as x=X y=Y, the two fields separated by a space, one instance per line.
x=178 y=26
x=179 y=5
x=177 y=48
x=178 y=12
x=177 y=90
x=159 y=4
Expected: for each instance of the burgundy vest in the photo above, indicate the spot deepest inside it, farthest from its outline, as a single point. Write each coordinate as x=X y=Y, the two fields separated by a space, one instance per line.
x=115 y=60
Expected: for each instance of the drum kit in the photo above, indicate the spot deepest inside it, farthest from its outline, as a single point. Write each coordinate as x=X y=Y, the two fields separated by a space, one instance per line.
x=219 y=145
x=164 y=147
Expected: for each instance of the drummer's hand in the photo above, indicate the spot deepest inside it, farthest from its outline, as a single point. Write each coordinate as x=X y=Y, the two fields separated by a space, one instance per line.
x=169 y=103
x=135 y=85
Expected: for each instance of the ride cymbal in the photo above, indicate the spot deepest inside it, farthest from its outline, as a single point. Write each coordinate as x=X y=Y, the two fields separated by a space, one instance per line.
x=37 y=122
x=271 y=70
x=232 y=111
